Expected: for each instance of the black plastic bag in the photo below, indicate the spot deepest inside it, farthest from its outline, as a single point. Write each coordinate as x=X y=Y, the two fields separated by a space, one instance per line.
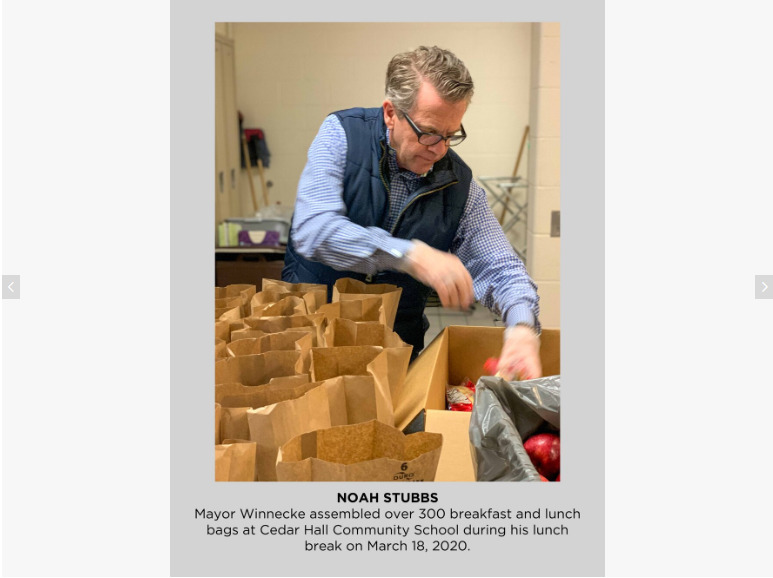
x=504 y=414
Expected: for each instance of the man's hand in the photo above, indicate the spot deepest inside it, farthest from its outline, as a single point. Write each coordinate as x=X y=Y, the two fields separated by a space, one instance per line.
x=442 y=271
x=520 y=354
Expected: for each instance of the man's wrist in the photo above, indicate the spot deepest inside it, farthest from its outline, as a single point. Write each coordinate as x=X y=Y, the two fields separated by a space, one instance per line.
x=398 y=251
x=510 y=330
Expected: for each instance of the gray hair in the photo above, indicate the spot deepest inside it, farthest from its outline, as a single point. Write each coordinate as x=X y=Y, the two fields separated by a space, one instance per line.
x=441 y=68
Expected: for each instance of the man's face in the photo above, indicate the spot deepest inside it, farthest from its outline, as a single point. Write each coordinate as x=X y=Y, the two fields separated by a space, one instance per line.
x=430 y=114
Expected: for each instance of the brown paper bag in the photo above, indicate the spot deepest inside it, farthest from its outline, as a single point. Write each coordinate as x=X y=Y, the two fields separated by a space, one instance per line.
x=243 y=291
x=233 y=423
x=358 y=398
x=388 y=366
x=338 y=401
x=276 y=390
x=258 y=369
x=273 y=425
x=228 y=313
x=285 y=306
x=224 y=329
x=315 y=322
x=237 y=400
x=367 y=309
x=341 y=332
x=218 y=413
x=246 y=333
x=366 y=452
x=348 y=289
x=304 y=287
x=268 y=296
x=289 y=340
x=327 y=362
x=221 y=349
x=390 y=369
x=229 y=303
x=313 y=299
x=235 y=461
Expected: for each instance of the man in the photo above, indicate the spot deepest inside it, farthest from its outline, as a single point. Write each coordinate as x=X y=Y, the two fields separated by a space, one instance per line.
x=383 y=199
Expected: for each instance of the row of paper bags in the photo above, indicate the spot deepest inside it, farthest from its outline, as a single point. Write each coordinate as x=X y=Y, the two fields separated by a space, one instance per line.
x=305 y=389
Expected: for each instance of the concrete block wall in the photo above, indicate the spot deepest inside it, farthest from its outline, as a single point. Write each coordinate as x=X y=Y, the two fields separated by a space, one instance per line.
x=543 y=255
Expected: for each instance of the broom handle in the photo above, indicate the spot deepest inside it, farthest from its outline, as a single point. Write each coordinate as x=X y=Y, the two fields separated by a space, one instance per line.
x=247 y=161
x=263 y=181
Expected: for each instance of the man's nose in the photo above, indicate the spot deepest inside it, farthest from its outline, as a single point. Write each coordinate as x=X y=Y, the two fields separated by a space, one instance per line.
x=439 y=148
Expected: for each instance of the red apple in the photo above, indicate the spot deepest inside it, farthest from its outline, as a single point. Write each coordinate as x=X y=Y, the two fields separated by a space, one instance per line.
x=544 y=450
x=490 y=366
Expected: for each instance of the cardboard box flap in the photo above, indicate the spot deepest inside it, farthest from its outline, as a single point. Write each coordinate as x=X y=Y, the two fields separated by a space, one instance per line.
x=459 y=353
x=455 y=463
x=428 y=369
x=550 y=352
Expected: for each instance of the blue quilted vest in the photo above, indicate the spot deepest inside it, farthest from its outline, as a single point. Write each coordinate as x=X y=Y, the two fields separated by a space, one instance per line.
x=431 y=214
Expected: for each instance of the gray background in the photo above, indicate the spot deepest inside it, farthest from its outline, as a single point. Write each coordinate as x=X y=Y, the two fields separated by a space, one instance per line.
x=582 y=294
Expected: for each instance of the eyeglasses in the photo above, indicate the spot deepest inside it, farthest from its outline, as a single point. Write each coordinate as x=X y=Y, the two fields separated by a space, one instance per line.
x=430 y=138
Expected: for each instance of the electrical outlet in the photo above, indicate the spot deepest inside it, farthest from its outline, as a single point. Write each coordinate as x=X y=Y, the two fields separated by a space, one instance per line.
x=555 y=224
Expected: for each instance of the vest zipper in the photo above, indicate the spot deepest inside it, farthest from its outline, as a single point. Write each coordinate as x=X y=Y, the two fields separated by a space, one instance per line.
x=402 y=212
x=383 y=181
x=389 y=199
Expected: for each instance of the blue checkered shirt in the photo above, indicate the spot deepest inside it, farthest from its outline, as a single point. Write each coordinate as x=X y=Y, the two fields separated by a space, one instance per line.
x=322 y=231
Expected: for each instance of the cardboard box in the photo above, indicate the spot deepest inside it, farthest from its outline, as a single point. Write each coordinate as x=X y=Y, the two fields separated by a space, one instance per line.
x=457 y=353
x=455 y=463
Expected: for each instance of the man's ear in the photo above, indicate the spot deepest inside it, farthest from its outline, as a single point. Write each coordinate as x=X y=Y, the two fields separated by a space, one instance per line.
x=390 y=114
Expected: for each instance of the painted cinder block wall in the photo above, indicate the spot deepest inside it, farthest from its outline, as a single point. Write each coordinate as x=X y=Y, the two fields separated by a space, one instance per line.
x=289 y=76
x=543 y=255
